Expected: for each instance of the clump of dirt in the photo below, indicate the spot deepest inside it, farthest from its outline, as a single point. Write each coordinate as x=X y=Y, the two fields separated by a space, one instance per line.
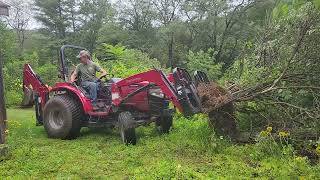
x=213 y=96
x=217 y=102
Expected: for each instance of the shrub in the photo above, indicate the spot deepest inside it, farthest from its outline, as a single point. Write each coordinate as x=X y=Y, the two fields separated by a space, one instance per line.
x=48 y=74
x=205 y=62
x=13 y=83
x=125 y=62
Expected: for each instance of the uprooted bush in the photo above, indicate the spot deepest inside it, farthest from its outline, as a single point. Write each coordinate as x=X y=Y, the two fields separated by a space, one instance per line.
x=279 y=82
x=217 y=103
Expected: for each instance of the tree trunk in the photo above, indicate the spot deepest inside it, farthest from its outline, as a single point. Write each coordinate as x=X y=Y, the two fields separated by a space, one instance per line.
x=73 y=22
x=215 y=30
x=73 y=19
x=61 y=28
x=3 y=151
x=21 y=37
x=3 y=114
x=170 y=52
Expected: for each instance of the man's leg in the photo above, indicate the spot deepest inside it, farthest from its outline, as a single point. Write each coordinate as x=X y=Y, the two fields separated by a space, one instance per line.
x=92 y=87
x=93 y=92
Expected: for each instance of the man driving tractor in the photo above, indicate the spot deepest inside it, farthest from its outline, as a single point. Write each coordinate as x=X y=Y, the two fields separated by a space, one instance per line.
x=86 y=71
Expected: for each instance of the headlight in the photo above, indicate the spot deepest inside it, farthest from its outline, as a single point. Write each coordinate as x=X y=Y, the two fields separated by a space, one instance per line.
x=156 y=92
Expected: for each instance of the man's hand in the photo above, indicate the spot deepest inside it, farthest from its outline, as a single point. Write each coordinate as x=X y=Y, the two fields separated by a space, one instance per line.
x=73 y=78
x=103 y=73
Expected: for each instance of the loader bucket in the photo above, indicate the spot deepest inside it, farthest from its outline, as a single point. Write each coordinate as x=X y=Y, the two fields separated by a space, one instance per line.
x=200 y=77
x=187 y=92
x=28 y=98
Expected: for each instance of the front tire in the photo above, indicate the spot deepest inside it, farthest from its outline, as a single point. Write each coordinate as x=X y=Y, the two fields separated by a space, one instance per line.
x=127 y=128
x=164 y=124
x=62 y=117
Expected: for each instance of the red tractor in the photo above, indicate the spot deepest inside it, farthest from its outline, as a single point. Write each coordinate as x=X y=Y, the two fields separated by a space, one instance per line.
x=124 y=103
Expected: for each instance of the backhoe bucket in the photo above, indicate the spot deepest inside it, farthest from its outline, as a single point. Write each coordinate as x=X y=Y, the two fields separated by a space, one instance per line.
x=28 y=98
x=200 y=77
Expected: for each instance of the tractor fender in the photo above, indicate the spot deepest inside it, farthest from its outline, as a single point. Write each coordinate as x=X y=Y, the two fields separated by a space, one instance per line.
x=76 y=93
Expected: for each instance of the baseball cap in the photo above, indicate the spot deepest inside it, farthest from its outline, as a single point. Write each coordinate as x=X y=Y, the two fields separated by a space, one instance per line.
x=84 y=53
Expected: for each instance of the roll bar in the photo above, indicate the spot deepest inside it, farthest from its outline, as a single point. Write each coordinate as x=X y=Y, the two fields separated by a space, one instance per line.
x=64 y=68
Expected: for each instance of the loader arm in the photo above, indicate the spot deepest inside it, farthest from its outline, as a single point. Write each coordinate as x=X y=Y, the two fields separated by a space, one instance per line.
x=158 y=78
x=31 y=81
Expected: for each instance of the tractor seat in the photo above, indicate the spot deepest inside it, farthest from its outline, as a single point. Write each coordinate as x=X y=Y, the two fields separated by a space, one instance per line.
x=114 y=80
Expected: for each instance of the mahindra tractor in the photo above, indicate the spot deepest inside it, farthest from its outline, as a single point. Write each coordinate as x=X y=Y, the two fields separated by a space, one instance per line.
x=123 y=103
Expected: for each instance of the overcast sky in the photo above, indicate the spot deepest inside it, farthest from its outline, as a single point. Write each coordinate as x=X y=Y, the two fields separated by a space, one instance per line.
x=33 y=23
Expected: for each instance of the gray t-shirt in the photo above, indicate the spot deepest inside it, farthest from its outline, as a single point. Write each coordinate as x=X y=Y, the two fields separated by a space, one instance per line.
x=87 y=71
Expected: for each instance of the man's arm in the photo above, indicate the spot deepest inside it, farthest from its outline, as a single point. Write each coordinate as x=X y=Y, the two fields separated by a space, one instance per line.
x=101 y=70
x=74 y=75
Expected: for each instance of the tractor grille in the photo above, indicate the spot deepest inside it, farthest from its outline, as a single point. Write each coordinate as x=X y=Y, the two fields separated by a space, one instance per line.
x=157 y=104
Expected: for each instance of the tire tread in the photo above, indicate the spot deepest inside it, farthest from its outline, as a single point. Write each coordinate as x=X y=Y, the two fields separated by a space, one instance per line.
x=72 y=106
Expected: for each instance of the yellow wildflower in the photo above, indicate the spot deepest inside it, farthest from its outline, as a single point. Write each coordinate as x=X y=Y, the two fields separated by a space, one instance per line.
x=284 y=134
x=269 y=129
x=264 y=133
x=299 y=158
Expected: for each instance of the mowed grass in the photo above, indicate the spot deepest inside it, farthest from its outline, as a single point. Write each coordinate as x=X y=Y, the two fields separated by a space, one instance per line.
x=191 y=150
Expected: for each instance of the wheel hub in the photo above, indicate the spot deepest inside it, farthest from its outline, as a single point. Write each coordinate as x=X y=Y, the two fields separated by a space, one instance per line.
x=56 y=119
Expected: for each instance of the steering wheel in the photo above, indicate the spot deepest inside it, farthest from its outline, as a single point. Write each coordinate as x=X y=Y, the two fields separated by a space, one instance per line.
x=105 y=77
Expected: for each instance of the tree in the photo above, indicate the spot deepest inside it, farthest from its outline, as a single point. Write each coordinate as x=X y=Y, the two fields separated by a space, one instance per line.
x=70 y=21
x=136 y=15
x=113 y=33
x=20 y=15
x=53 y=16
x=220 y=25
x=72 y=12
x=7 y=44
x=167 y=11
x=94 y=14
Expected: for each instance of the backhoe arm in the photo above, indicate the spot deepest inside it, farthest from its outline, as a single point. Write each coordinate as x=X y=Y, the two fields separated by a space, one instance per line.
x=31 y=81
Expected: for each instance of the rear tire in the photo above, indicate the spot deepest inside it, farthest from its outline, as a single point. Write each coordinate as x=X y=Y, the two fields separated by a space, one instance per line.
x=62 y=117
x=164 y=124
x=127 y=128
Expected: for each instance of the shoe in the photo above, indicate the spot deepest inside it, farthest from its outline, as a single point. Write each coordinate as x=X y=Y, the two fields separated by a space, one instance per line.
x=100 y=105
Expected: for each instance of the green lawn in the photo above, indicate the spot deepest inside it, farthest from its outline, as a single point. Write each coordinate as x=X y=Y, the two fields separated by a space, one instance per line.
x=189 y=151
